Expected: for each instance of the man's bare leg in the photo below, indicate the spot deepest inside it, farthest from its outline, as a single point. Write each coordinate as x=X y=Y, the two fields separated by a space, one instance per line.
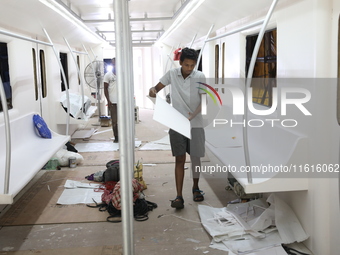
x=178 y=203
x=195 y=169
x=179 y=174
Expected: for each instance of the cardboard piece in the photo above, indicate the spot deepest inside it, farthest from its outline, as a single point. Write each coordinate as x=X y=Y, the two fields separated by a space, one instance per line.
x=167 y=115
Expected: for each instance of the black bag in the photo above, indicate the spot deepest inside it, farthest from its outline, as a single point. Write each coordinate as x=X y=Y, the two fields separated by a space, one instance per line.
x=140 y=210
x=112 y=171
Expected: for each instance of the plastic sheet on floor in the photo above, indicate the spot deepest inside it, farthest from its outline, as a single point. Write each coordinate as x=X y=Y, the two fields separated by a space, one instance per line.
x=286 y=222
x=162 y=144
x=70 y=184
x=103 y=146
x=249 y=243
x=278 y=250
x=76 y=192
x=254 y=226
x=83 y=134
x=222 y=225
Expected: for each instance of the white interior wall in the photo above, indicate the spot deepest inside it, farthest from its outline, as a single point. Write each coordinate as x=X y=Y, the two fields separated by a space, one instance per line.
x=234 y=54
x=334 y=185
x=51 y=105
x=307 y=54
x=303 y=51
x=155 y=63
x=21 y=76
x=138 y=76
x=53 y=80
x=54 y=84
x=208 y=66
x=147 y=65
x=152 y=65
x=304 y=40
x=13 y=112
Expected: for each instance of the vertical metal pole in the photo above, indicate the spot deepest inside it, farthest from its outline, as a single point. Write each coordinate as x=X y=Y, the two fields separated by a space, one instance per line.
x=205 y=41
x=8 y=137
x=95 y=56
x=166 y=65
x=193 y=40
x=80 y=78
x=131 y=100
x=65 y=81
x=125 y=117
x=248 y=83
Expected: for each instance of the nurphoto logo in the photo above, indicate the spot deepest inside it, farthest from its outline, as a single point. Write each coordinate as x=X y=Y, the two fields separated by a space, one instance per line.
x=301 y=97
x=204 y=99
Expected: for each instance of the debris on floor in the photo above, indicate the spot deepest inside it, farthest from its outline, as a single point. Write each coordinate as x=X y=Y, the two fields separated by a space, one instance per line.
x=253 y=226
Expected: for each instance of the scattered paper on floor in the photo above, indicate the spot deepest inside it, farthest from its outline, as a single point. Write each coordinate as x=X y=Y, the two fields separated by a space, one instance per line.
x=76 y=192
x=103 y=146
x=253 y=227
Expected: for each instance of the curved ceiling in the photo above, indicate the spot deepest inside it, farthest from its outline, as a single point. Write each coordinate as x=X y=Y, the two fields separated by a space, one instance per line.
x=93 y=20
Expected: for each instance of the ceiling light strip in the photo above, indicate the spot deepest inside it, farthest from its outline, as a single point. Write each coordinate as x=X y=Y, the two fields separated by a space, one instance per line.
x=68 y=14
x=186 y=12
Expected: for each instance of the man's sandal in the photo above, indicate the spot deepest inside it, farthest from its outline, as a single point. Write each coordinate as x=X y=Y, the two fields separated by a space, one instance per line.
x=177 y=203
x=198 y=197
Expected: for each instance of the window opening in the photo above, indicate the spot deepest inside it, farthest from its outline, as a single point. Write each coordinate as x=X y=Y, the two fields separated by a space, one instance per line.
x=4 y=73
x=78 y=63
x=108 y=62
x=223 y=61
x=43 y=73
x=199 y=67
x=265 y=67
x=35 y=74
x=217 y=60
x=63 y=60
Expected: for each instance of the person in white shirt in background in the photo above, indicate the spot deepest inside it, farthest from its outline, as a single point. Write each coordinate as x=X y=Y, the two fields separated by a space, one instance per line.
x=111 y=94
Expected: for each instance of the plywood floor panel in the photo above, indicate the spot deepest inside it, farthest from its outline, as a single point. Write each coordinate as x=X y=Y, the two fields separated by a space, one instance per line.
x=39 y=203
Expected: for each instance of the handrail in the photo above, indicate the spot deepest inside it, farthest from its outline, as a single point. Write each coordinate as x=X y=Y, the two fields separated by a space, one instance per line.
x=257 y=23
x=205 y=41
x=65 y=81
x=264 y=23
x=192 y=41
x=80 y=79
x=167 y=61
x=79 y=52
x=248 y=83
x=24 y=38
x=8 y=137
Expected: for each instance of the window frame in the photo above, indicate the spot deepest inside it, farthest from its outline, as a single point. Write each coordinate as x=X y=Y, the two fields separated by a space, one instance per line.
x=265 y=70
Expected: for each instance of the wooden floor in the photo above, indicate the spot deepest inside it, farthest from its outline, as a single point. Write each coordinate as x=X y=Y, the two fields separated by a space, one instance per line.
x=35 y=224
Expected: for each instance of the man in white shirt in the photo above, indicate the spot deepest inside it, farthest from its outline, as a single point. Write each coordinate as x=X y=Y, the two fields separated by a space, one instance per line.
x=110 y=91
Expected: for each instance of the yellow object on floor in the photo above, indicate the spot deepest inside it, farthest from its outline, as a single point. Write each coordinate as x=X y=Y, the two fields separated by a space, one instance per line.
x=138 y=173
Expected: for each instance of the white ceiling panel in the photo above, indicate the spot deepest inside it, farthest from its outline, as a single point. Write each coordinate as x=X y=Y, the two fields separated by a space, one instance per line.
x=149 y=19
